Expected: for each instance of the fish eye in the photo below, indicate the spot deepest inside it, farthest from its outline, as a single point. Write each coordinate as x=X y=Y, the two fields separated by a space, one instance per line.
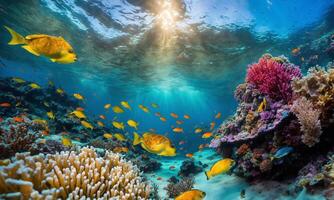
x=70 y=51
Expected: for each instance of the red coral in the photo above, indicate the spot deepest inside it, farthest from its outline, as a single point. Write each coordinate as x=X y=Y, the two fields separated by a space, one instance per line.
x=273 y=78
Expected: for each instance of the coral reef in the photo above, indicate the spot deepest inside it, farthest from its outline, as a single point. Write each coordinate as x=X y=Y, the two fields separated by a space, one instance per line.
x=189 y=168
x=71 y=175
x=176 y=186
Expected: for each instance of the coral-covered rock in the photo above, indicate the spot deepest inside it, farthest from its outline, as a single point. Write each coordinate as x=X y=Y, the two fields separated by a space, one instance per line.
x=176 y=187
x=189 y=168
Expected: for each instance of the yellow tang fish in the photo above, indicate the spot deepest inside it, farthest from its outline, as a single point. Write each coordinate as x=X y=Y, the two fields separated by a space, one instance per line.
x=107 y=135
x=125 y=105
x=107 y=106
x=154 y=105
x=87 y=124
x=186 y=116
x=120 y=149
x=51 y=115
x=218 y=115
x=34 y=86
x=178 y=130
x=100 y=123
x=79 y=114
x=174 y=115
x=198 y=130
x=117 y=109
x=155 y=143
x=133 y=124
x=78 y=96
x=18 y=80
x=207 y=135
x=192 y=194
x=262 y=105
x=118 y=125
x=55 y=48
x=67 y=142
x=144 y=108
x=60 y=91
x=221 y=166
x=119 y=137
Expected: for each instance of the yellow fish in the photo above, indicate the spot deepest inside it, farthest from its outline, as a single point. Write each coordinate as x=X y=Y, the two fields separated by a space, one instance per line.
x=186 y=116
x=107 y=135
x=51 y=115
x=163 y=119
x=154 y=105
x=125 y=105
x=117 y=109
x=78 y=96
x=34 y=86
x=40 y=121
x=198 y=130
x=221 y=166
x=120 y=150
x=79 y=114
x=18 y=80
x=262 y=105
x=133 y=124
x=218 y=115
x=100 y=123
x=119 y=137
x=60 y=91
x=107 y=106
x=143 y=108
x=118 y=125
x=87 y=124
x=174 y=115
x=155 y=143
x=55 y=48
x=178 y=130
x=192 y=194
x=67 y=142
x=207 y=135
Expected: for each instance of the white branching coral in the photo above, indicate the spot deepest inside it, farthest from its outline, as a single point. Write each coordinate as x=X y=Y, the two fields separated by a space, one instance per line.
x=71 y=175
x=308 y=117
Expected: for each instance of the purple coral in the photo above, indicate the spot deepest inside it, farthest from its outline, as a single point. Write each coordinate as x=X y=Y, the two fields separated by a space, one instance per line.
x=273 y=78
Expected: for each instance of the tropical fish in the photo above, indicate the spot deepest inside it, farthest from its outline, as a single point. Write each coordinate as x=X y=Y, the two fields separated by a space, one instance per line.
x=144 y=108
x=118 y=125
x=157 y=114
x=179 y=122
x=80 y=109
x=262 y=105
x=117 y=109
x=55 y=48
x=126 y=105
x=66 y=142
x=154 y=105
x=155 y=143
x=51 y=115
x=221 y=166
x=178 y=130
x=174 y=115
x=46 y=104
x=119 y=137
x=100 y=123
x=186 y=116
x=102 y=117
x=18 y=80
x=40 y=121
x=107 y=135
x=60 y=91
x=163 y=119
x=5 y=104
x=201 y=146
x=192 y=194
x=218 y=115
x=87 y=124
x=159 y=178
x=34 y=86
x=212 y=125
x=207 y=135
x=172 y=167
x=78 y=96
x=18 y=119
x=120 y=149
x=189 y=155
x=280 y=153
x=198 y=130
x=181 y=142
x=133 y=124
x=107 y=106
x=79 y=114
x=295 y=51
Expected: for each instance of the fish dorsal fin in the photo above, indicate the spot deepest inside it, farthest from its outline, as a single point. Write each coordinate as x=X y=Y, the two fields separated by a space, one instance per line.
x=35 y=36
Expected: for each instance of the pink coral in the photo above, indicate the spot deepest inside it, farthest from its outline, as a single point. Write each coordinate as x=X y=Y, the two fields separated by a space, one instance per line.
x=273 y=78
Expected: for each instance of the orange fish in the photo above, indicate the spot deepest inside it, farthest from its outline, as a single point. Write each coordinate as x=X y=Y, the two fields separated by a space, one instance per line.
x=163 y=119
x=212 y=125
x=207 y=135
x=102 y=117
x=179 y=122
x=218 y=115
x=5 y=105
x=201 y=146
x=18 y=119
x=80 y=109
x=45 y=132
x=186 y=116
x=174 y=115
x=189 y=155
x=295 y=51
x=178 y=130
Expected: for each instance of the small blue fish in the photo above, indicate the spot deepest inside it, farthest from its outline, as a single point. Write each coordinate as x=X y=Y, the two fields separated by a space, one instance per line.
x=282 y=152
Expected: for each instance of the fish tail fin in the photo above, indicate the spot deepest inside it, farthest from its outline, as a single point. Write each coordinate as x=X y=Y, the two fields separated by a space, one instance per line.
x=208 y=175
x=136 y=138
x=16 y=38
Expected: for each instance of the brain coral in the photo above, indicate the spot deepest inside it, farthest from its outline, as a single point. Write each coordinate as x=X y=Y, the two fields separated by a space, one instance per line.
x=71 y=175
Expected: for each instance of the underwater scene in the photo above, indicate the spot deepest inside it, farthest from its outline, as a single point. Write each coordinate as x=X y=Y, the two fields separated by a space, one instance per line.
x=167 y=99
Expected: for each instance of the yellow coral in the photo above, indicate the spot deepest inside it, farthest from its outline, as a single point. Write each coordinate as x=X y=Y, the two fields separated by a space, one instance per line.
x=71 y=175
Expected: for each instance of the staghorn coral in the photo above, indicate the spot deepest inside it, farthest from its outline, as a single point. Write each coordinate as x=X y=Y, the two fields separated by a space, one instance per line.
x=71 y=175
x=308 y=117
x=273 y=77
x=176 y=187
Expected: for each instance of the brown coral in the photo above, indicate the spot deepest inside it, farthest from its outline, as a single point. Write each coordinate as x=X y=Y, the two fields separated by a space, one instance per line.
x=265 y=165
x=71 y=175
x=242 y=150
